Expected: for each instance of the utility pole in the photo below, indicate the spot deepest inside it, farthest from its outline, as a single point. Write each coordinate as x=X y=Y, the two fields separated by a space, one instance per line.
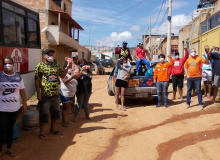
x=169 y=28
x=150 y=35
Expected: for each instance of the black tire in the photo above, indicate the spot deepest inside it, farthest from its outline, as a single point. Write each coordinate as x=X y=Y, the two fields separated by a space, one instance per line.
x=155 y=99
x=110 y=93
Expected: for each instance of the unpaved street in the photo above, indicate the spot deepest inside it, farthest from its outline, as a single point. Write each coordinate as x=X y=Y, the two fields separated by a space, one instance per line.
x=143 y=132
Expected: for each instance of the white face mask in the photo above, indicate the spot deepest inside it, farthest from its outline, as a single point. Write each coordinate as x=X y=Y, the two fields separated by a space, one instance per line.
x=69 y=70
x=193 y=54
x=177 y=57
x=49 y=58
x=161 y=59
x=125 y=64
x=8 y=67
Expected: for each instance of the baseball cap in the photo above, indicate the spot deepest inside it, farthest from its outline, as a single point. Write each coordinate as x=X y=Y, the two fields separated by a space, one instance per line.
x=46 y=51
x=75 y=56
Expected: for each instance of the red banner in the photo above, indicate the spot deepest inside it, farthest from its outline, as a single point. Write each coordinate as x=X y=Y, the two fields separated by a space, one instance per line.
x=19 y=55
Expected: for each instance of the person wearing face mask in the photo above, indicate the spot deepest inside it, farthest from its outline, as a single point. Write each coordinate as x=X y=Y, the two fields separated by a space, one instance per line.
x=84 y=88
x=216 y=71
x=11 y=88
x=194 y=76
x=161 y=77
x=125 y=52
x=177 y=72
x=207 y=73
x=122 y=80
x=67 y=91
x=140 y=53
x=47 y=83
x=75 y=68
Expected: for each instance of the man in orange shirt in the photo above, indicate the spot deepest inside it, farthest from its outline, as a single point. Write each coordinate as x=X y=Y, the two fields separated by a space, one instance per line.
x=194 y=76
x=161 y=77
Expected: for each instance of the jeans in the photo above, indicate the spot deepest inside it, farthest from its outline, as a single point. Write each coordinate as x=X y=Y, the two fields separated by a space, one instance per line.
x=162 y=87
x=197 y=83
x=116 y=67
x=138 y=62
x=7 y=121
x=82 y=100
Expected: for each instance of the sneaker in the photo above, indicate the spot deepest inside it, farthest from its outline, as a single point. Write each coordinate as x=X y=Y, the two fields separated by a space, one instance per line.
x=158 y=105
x=187 y=106
x=200 y=107
x=181 y=99
x=165 y=105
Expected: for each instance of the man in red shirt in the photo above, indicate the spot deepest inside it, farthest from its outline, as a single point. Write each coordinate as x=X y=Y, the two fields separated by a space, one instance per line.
x=177 y=72
x=140 y=53
x=117 y=51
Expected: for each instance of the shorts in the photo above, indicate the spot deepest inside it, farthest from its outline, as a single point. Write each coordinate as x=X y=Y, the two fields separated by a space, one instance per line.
x=64 y=99
x=121 y=83
x=49 y=105
x=216 y=80
x=177 y=80
x=207 y=75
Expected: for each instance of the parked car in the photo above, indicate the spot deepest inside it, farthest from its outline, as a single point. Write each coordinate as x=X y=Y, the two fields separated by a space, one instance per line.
x=99 y=65
x=107 y=62
x=140 y=86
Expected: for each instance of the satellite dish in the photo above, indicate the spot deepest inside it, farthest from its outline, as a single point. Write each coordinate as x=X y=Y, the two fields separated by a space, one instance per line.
x=44 y=29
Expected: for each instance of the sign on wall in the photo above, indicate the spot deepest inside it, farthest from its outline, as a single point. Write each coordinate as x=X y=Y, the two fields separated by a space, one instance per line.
x=19 y=55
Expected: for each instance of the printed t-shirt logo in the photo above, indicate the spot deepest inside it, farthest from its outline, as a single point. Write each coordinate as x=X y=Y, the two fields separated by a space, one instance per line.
x=176 y=63
x=52 y=78
x=193 y=63
x=8 y=91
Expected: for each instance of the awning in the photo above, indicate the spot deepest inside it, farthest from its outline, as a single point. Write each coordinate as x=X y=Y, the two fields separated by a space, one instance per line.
x=66 y=17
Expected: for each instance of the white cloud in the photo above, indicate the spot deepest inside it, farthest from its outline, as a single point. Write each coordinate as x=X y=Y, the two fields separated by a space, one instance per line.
x=178 y=21
x=113 y=38
x=135 y=28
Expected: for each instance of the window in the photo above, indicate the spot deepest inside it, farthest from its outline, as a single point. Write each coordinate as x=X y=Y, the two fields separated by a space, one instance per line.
x=215 y=20
x=13 y=8
x=32 y=30
x=64 y=8
x=13 y=28
x=58 y=2
x=204 y=27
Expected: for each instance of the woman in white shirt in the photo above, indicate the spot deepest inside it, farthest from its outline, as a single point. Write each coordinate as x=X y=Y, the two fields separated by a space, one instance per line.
x=67 y=92
x=11 y=88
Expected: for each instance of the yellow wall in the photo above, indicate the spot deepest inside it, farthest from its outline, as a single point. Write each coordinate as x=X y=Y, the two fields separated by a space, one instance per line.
x=210 y=38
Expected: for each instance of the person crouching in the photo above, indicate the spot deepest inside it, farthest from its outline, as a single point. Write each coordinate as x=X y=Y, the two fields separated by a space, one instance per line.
x=122 y=80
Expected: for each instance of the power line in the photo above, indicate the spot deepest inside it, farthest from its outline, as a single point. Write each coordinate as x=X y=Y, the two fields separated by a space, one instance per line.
x=159 y=13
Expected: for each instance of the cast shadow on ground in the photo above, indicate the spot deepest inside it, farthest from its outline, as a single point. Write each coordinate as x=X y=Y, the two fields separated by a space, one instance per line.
x=29 y=146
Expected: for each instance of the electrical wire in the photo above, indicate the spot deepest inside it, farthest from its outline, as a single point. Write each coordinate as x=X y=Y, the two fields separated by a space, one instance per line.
x=159 y=13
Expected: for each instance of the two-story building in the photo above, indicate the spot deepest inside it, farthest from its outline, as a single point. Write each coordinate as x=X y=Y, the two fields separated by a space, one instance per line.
x=59 y=31
x=205 y=31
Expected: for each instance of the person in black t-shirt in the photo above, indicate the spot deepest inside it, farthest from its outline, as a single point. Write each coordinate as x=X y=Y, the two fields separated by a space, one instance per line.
x=84 y=88
x=216 y=70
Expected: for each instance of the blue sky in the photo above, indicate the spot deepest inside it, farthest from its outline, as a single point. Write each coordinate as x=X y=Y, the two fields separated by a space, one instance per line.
x=110 y=22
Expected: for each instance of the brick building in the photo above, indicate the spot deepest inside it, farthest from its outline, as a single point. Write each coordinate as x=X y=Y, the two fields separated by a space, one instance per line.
x=59 y=31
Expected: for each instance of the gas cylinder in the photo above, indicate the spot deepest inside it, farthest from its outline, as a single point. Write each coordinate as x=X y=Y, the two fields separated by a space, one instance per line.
x=30 y=120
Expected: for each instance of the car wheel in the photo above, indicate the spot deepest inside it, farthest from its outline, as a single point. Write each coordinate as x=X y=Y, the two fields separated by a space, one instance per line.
x=110 y=93
x=155 y=99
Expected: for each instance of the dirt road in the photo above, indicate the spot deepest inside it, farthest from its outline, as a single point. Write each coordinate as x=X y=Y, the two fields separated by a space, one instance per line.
x=143 y=132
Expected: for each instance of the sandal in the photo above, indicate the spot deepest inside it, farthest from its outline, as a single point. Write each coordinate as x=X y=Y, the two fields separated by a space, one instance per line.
x=88 y=118
x=123 y=109
x=12 y=154
x=42 y=136
x=56 y=132
x=65 y=124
